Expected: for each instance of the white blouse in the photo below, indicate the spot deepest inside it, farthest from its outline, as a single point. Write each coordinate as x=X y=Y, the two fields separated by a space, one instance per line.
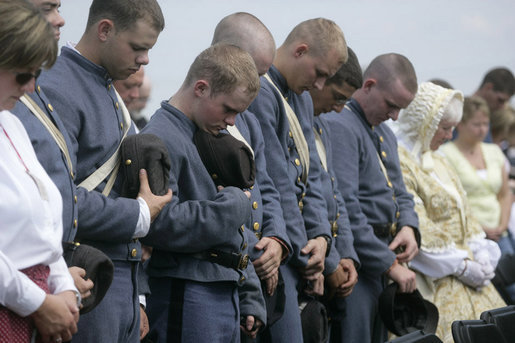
x=30 y=222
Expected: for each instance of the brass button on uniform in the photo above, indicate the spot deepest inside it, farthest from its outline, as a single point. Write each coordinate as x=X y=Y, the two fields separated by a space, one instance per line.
x=50 y=107
x=397 y=214
x=256 y=226
x=297 y=162
x=255 y=205
x=121 y=125
x=383 y=153
x=242 y=279
x=242 y=228
x=334 y=196
x=75 y=223
x=301 y=205
x=117 y=105
x=134 y=252
x=337 y=215
x=75 y=199
x=332 y=178
x=39 y=89
x=258 y=235
x=128 y=162
x=214 y=176
x=303 y=195
x=381 y=139
x=320 y=130
x=298 y=179
x=109 y=86
x=244 y=246
x=290 y=134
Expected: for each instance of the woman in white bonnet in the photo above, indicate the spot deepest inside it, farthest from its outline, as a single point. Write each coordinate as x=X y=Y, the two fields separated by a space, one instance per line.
x=456 y=262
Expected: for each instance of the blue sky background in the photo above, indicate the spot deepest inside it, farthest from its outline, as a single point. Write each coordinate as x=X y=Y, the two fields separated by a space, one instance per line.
x=457 y=40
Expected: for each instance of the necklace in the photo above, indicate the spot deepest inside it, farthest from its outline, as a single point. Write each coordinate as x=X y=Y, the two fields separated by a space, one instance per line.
x=37 y=181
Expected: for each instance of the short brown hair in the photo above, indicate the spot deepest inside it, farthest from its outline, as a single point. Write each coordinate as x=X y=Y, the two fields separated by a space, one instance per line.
x=502 y=80
x=473 y=104
x=125 y=13
x=321 y=35
x=26 y=37
x=225 y=67
x=390 y=67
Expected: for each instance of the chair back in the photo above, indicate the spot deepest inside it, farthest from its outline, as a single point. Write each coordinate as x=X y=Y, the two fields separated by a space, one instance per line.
x=504 y=319
x=476 y=331
x=417 y=337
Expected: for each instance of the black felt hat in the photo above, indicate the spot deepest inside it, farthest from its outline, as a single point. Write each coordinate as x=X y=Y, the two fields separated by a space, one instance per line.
x=98 y=266
x=144 y=151
x=315 y=325
x=403 y=313
x=228 y=160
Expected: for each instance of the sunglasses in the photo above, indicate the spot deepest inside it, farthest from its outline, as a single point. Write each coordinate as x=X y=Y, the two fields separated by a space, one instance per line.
x=24 y=78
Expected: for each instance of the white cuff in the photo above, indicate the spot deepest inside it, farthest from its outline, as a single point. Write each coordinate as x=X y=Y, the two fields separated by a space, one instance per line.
x=143 y=224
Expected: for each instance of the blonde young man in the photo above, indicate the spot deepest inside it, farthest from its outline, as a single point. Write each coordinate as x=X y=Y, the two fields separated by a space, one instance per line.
x=312 y=52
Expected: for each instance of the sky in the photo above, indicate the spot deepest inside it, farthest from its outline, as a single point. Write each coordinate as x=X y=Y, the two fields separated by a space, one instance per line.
x=456 y=40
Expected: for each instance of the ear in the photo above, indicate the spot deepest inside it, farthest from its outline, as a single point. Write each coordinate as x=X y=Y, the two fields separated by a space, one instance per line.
x=104 y=28
x=368 y=84
x=488 y=86
x=201 y=88
x=301 y=50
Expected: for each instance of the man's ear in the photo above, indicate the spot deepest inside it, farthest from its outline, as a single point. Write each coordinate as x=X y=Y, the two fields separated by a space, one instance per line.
x=488 y=86
x=301 y=49
x=104 y=28
x=201 y=88
x=368 y=84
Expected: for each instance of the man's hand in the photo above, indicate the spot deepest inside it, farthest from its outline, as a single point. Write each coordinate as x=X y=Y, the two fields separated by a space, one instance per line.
x=405 y=239
x=155 y=203
x=404 y=277
x=57 y=317
x=251 y=322
x=316 y=248
x=335 y=280
x=83 y=286
x=143 y=323
x=346 y=288
x=146 y=252
x=271 y=283
x=316 y=286
x=268 y=263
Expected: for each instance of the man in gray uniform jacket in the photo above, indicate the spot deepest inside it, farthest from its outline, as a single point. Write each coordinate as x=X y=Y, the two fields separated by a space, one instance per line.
x=269 y=245
x=199 y=258
x=118 y=36
x=303 y=61
x=366 y=164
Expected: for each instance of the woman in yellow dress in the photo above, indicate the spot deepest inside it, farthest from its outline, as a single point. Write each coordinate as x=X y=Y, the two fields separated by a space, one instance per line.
x=456 y=262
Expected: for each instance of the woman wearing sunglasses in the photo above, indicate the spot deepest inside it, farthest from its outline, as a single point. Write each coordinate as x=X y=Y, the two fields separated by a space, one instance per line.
x=36 y=290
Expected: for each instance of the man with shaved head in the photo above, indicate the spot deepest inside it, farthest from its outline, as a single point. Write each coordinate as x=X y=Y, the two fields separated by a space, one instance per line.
x=365 y=161
x=313 y=51
x=268 y=241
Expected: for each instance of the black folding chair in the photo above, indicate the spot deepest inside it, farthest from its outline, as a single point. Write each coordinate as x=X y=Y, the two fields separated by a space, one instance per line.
x=504 y=319
x=476 y=331
x=505 y=276
x=417 y=337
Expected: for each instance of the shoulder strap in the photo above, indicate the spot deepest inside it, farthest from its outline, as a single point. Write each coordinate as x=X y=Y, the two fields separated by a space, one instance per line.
x=298 y=136
x=233 y=131
x=322 y=153
x=112 y=165
x=50 y=126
